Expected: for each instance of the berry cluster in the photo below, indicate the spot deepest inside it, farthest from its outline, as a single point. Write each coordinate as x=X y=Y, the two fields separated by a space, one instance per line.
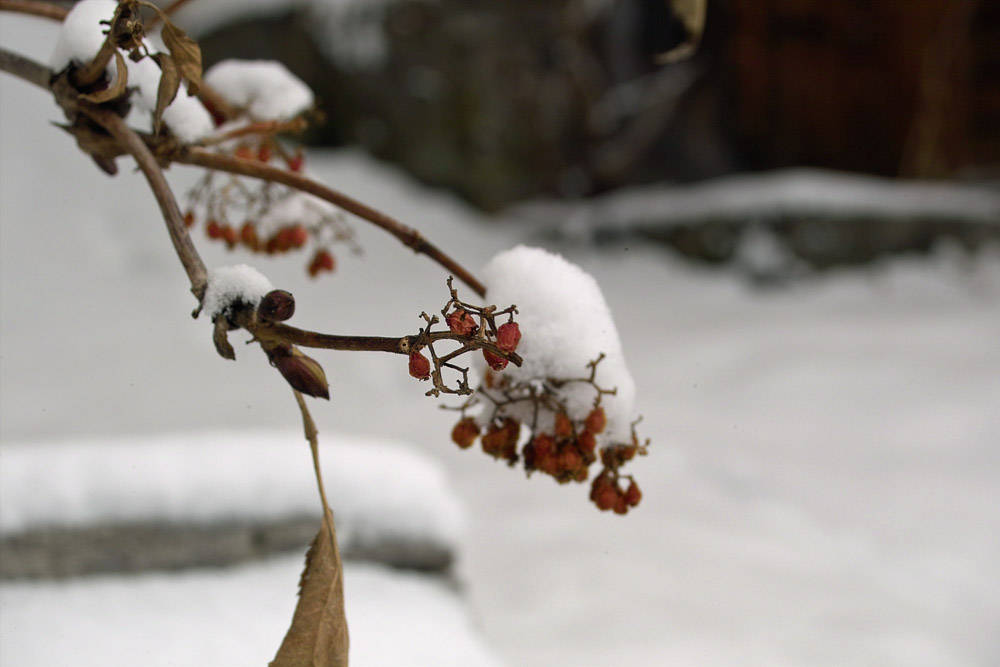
x=560 y=446
x=273 y=219
x=472 y=327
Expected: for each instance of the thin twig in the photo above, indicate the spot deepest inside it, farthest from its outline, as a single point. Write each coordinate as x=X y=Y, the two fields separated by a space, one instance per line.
x=133 y=143
x=44 y=9
x=410 y=237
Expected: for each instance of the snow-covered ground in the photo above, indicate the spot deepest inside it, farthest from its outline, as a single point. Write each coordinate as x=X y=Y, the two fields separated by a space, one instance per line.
x=823 y=486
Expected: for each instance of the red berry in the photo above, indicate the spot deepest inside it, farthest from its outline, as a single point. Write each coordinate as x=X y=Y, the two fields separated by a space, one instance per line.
x=297 y=236
x=564 y=427
x=264 y=153
x=508 y=336
x=495 y=361
x=325 y=260
x=295 y=162
x=596 y=421
x=189 y=219
x=213 y=229
x=244 y=153
x=420 y=367
x=586 y=442
x=465 y=432
x=632 y=494
x=229 y=235
x=604 y=492
x=461 y=322
x=621 y=505
x=500 y=440
x=248 y=234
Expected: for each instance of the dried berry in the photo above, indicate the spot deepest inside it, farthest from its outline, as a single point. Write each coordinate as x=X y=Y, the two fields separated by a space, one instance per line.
x=213 y=229
x=495 y=361
x=632 y=494
x=586 y=442
x=295 y=162
x=564 y=427
x=596 y=421
x=500 y=440
x=465 y=432
x=248 y=234
x=321 y=261
x=460 y=321
x=264 y=153
x=420 y=367
x=189 y=219
x=244 y=153
x=508 y=336
x=229 y=235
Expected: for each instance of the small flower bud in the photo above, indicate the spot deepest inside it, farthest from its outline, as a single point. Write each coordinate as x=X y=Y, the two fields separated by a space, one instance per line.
x=276 y=306
x=460 y=321
x=465 y=432
x=508 y=336
x=420 y=367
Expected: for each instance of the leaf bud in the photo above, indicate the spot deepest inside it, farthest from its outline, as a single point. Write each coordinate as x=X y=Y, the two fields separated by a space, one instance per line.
x=276 y=306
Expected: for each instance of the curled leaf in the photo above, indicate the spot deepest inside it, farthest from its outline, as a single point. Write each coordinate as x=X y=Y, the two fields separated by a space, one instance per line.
x=220 y=337
x=170 y=82
x=113 y=91
x=186 y=54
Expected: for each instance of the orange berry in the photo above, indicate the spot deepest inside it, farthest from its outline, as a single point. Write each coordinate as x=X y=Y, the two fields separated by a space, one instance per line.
x=465 y=432
x=596 y=421
x=632 y=494
x=248 y=234
x=297 y=236
x=564 y=427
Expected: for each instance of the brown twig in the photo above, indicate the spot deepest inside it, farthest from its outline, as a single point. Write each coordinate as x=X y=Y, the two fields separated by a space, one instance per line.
x=25 y=68
x=410 y=237
x=133 y=143
x=44 y=9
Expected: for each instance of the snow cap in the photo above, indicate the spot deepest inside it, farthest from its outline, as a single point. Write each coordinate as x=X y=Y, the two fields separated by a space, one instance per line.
x=566 y=324
x=229 y=286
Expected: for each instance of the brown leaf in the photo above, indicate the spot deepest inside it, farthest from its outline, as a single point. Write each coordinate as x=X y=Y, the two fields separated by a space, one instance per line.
x=692 y=15
x=221 y=338
x=318 y=634
x=186 y=54
x=115 y=91
x=170 y=82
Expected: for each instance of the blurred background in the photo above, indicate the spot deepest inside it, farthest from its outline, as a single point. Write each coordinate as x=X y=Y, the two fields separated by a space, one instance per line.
x=797 y=229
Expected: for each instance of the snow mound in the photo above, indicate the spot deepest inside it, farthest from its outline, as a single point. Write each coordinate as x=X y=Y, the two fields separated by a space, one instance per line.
x=264 y=88
x=566 y=324
x=234 y=285
x=376 y=489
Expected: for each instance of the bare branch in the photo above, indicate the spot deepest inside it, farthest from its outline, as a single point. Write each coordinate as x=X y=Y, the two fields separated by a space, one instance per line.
x=44 y=9
x=25 y=68
x=410 y=237
x=133 y=143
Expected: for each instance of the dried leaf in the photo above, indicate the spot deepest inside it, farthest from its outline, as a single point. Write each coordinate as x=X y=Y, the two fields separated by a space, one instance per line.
x=115 y=91
x=221 y=338
x=318 y=634
x=186 y=54
x=170 y=82
x=692 y=15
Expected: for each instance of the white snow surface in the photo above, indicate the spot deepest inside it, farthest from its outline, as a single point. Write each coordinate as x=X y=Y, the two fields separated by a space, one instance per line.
x=264 y=88
x=80 y=38
x=235 y=616
x=376 y=488
x=229 y=285
x=82 y=34
x=565 y=324
x=822 y=487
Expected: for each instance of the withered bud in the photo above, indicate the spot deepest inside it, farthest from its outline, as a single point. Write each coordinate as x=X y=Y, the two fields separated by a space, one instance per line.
x=302 y=372
x=276 y=306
